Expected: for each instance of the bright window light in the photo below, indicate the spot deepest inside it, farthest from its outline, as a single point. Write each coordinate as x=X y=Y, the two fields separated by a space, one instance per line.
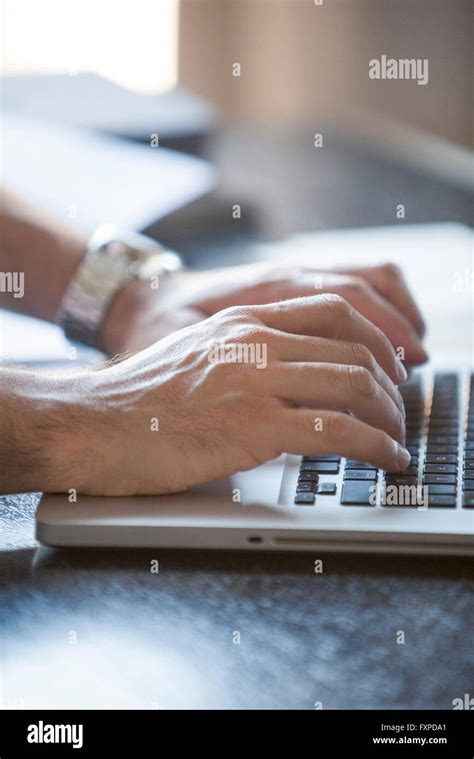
x=132 y=42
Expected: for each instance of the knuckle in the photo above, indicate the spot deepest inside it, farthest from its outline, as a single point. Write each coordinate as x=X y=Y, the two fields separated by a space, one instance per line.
x=264 y=409
x=361 y=381
x=339 y=307
x=363 y=357
x=242 y=324
x=236 y=314
x=252 y=333
x=231 y=311
x=336 y=302
x=391 y=270
x=356 y=286
x=337 y=426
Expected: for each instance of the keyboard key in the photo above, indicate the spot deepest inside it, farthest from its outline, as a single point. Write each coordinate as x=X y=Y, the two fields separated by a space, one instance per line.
x=308 y=476
x=441 y=449
x=439 y=479
x=442 y=439
x=468 y=500
x=322 y=458
x=441 y=458
x=443 y=414
x=468 y=485
x=410 y=471
x=358 y=493
x=352 y=464
x=392 y=503
x=469 y=465
x=440 y=469
x=324 y=467
x=443 y=427
x=391 y=479
x=442 y=501
x=305 y=499
x=327 y=488
x=441 y=489
x=360 y=474
x=306 y=487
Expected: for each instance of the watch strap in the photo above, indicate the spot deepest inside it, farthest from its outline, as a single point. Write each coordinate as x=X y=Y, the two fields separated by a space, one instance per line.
x=112 y=258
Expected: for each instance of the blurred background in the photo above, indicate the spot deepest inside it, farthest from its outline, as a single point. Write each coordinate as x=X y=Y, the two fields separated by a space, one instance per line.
x=238 y=90
x=233 y=130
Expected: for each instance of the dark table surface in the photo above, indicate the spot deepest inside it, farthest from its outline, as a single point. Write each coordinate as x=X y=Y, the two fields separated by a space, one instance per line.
x=96 y=629
x=242 y=630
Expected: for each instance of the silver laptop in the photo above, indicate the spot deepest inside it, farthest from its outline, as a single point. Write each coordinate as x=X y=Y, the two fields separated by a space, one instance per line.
x=330 y=503
x=310 y=503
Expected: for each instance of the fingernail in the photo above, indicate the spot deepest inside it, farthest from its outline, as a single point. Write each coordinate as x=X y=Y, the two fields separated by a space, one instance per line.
x=402 y=372
x=403 y=456
x=402 y=405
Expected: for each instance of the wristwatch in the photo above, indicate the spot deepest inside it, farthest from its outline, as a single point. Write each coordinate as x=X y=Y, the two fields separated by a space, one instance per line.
x=113 y=257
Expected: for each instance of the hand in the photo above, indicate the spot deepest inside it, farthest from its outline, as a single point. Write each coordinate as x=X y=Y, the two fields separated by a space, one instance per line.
x=48 y=254
x=327 y=385
x=141 y=315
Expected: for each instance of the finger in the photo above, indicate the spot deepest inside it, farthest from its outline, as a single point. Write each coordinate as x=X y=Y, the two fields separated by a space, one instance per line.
x=392 y=322
x=390 y=282
x=319 y=432
x=377 y=309
x=344 y=388
x=320 y=349
x=331 y=316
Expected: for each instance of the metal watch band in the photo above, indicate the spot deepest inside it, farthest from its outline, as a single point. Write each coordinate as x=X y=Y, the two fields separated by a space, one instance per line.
x=113 y=257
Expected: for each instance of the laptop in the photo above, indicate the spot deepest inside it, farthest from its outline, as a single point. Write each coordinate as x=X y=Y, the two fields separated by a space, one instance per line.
x=328 y=503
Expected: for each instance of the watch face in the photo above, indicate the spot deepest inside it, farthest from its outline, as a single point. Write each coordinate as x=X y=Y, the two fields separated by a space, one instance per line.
x=108 y=264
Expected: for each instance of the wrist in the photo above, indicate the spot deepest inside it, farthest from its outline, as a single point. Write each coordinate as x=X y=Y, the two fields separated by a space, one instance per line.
x=45 y=251
x=68 y=251
x=140 y=315
x=114 y=257
x=119 y=319
x=46 y=422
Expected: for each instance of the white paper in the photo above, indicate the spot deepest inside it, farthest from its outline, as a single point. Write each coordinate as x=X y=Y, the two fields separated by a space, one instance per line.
x=88 y=179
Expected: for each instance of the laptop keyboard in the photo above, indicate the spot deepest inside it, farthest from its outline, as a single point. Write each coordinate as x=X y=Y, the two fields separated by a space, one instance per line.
x=441 y=444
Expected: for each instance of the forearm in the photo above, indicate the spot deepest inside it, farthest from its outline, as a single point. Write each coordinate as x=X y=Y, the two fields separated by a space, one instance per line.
x=43 y=424
x=38 y=257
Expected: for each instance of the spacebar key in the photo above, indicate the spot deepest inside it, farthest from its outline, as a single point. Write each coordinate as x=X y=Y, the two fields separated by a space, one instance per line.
x=358 y=493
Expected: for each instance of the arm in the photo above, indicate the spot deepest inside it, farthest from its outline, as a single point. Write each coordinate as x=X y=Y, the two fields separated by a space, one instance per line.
x=47 y=254
x=38 y=413
x=177 y=415
x=44 y=251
